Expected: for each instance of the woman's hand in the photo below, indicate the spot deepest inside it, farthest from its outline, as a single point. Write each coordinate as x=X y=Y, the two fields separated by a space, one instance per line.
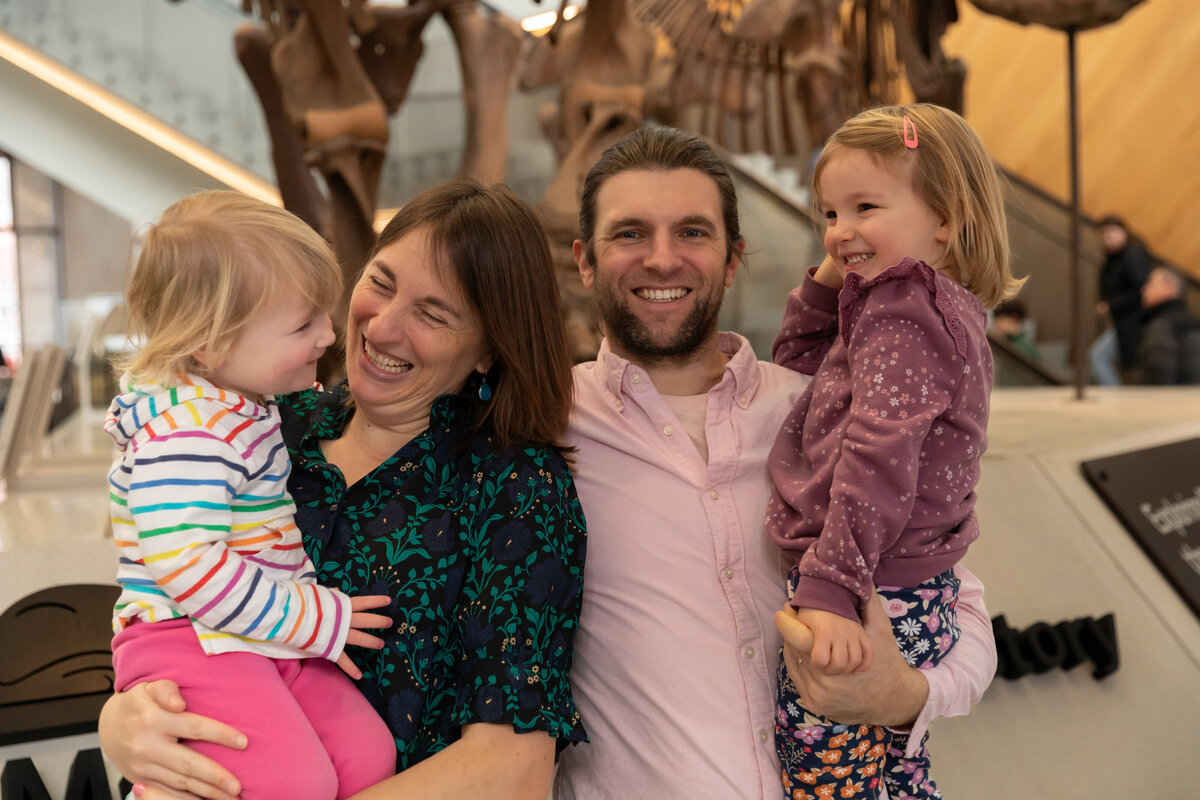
x=358 y=621
x=889 y=692
x=140 y=731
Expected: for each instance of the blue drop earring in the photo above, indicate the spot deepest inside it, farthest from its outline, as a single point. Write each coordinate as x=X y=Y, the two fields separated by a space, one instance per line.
x=485 y=391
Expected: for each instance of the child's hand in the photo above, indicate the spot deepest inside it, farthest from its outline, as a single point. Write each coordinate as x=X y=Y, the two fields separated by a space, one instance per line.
x=828 y=274
x=839 y=645
x=359 y=620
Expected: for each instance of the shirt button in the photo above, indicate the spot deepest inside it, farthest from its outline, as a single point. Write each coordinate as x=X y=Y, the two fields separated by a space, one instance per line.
x=749 y=651
x=636 y=378
x=727 y=572
x=620 y=404
x=762 y=736
x=668 y=430
x=713 y=494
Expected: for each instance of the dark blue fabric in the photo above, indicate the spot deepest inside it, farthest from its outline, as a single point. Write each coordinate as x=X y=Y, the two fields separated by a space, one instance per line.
x=483 y=552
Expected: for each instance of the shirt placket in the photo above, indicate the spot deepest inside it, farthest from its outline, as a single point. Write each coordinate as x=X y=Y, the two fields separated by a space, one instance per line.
x=729 y=545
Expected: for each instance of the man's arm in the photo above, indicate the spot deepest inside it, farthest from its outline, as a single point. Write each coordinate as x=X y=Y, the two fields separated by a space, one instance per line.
x=890 y=692
x=960 y=680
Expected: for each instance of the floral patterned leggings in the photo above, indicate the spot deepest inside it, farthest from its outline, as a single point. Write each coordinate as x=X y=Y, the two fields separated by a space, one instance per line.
x=825 y=760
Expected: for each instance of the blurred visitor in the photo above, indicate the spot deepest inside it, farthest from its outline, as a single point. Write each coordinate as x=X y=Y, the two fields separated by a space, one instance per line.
x=1125 y=269
x=1010 y=321
x=1169 y=353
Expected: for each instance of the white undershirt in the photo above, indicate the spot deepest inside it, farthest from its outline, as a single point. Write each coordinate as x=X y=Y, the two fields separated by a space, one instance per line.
x=691 y=410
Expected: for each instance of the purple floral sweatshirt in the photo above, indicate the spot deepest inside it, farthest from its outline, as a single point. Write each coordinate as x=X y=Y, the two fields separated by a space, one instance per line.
x=874 y=470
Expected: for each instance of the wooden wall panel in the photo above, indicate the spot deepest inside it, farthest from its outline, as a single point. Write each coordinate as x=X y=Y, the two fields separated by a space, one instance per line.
x=1139 y=114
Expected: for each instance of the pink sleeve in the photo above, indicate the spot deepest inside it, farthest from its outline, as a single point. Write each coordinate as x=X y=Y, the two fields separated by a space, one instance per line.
x=958 y=682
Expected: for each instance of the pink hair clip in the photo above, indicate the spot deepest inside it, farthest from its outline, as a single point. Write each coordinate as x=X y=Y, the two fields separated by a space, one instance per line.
x=910 y=134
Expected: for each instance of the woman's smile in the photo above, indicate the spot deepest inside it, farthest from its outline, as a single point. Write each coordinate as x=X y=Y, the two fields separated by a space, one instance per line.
x=383 y=362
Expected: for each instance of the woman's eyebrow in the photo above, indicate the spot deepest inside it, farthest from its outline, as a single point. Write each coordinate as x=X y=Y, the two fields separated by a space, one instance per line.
x=430 y=300
x=382 y=267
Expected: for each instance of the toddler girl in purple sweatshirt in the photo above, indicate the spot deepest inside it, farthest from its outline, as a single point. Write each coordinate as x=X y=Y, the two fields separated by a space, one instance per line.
x=874 y=470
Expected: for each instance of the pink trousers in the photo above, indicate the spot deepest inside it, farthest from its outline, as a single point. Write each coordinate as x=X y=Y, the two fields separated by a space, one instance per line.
x=311 y=734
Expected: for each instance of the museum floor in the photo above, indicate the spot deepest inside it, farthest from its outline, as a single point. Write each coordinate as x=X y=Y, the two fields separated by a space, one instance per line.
x=1050 y=552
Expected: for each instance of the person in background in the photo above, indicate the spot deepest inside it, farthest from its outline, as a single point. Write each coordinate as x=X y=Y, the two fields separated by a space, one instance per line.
x=1169 y=354
x=1009 y=320
x=1125 y=269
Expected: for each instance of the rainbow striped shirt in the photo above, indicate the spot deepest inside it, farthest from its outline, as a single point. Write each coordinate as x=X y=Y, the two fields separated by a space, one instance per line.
x=203 y=521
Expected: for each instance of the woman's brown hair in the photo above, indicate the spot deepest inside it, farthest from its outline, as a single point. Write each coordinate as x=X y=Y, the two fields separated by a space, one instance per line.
x=492 y=245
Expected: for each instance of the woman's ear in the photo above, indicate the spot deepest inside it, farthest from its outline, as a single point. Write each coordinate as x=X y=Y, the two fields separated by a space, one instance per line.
x=486 y=362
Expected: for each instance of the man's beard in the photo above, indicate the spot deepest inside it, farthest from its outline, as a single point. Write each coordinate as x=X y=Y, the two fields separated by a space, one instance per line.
x=635 y=339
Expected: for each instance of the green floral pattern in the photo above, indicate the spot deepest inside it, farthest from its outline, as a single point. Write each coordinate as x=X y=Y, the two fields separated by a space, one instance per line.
x=483 y=552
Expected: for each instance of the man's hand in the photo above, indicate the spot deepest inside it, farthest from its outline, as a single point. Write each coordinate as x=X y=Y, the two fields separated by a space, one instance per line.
x=889 y=692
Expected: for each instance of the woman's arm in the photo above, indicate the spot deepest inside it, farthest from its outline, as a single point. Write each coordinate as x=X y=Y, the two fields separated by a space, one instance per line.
x=140 y=731
x=492 y=761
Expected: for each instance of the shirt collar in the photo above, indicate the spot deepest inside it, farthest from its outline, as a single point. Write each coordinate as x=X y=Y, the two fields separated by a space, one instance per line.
x=741 y=376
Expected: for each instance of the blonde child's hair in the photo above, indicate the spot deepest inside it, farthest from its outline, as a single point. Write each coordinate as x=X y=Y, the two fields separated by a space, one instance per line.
x=212 y=262
x=953 y=175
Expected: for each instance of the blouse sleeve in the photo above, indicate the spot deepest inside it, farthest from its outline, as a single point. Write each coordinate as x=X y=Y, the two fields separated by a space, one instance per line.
x=520 y=601
x=810 y=326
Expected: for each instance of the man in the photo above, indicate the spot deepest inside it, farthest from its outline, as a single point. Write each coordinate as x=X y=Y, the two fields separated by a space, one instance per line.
x=1169 y=353
x=676 y=653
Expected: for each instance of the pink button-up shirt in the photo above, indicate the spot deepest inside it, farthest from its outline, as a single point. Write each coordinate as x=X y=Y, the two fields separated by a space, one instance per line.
x=675 y=657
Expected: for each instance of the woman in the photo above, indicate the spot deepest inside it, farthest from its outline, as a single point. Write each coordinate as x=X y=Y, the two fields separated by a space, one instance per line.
x=432 y=476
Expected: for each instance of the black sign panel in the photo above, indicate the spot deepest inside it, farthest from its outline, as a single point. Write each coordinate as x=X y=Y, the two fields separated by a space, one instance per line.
x=56 y=662
x=1156 y=494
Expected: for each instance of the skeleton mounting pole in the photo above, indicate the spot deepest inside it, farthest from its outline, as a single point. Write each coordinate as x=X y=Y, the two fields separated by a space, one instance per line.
x=1077 y=318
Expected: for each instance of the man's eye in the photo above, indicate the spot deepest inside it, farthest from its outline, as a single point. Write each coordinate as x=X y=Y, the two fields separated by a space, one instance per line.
x=693 y=232
x=626 y=235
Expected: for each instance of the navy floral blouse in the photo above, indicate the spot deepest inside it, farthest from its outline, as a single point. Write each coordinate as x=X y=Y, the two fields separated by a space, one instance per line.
x=483 y=552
